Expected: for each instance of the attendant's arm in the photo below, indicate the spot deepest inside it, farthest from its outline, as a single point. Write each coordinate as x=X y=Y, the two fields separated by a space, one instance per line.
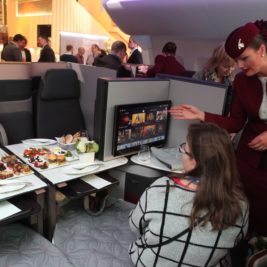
x=136 y=217
x=187 y=112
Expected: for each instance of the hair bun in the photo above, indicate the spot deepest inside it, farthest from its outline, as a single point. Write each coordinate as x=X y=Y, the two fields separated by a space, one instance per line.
x=262 y=25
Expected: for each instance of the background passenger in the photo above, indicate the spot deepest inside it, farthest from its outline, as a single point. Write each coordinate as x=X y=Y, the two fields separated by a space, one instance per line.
x=96 y=51
x=47 y=53
x=11 y=51
x=136 y=56
x=68 y=55
x=194 y=220
x=248 y=46
x=25 y=53
x=219 y=68
x=80 y=55
x=114 y=59
x=169 y=65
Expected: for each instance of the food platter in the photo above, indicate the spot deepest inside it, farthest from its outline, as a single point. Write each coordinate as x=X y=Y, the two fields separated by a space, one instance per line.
x=44 y=158
x=12 y=167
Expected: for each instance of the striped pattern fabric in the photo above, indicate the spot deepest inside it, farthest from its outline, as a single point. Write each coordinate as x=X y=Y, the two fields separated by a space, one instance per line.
x=161 y=221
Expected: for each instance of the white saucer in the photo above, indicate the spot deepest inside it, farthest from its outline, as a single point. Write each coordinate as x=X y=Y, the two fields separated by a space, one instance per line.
x=73 y=171
x=39 y=142
x=7 y=186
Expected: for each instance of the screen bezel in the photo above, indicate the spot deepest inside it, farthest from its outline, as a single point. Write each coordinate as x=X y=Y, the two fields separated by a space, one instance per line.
x=135 y=149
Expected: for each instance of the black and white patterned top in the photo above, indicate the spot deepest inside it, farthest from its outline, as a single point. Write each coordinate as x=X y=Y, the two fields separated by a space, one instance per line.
x=161 y=220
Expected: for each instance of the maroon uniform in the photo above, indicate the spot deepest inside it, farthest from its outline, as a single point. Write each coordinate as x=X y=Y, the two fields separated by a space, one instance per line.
x=252 y=164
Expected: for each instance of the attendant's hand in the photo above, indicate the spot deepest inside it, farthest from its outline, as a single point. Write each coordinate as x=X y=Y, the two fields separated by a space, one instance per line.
x=187 y=112
x=259 y=142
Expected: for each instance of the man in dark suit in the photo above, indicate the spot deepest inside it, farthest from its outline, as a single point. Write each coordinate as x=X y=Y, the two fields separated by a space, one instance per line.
x=25 y=53
x=136 y=56
x=68 y=55
x=114 y=60
x=11 y=51
x=47 y=53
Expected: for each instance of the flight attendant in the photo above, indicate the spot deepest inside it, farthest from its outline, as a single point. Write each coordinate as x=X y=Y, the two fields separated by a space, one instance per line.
x=248 y=46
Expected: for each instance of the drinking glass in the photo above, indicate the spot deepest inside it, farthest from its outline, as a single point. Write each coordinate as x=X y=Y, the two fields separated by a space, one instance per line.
x=84 y=135
x=144 y=153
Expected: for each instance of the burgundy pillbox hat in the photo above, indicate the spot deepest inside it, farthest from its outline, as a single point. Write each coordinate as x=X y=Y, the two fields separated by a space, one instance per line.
x=240 y=38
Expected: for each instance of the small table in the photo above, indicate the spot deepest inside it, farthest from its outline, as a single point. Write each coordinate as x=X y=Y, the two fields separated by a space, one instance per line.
x=58 y=178
x=30 y=199
x=154 y=163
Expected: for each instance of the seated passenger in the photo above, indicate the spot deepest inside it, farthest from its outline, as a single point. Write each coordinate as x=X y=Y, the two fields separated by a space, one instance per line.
x=219 y=68
x=193 y=220
x=114 y=60
x=167 y=64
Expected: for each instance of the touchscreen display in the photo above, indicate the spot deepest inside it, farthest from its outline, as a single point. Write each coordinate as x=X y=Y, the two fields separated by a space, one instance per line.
x=139 y=124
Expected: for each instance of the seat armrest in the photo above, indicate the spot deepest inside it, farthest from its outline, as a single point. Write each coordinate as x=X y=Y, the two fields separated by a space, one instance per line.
x=3 y=136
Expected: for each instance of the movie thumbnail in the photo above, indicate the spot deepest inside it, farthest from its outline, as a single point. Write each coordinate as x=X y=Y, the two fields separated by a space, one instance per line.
x=138 y=118
x=161 y=115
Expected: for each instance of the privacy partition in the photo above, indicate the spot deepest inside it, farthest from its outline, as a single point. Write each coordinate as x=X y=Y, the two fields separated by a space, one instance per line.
x=112 y=92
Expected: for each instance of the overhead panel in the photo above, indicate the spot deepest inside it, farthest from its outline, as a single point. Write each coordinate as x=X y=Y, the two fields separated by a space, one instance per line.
x=187 y=18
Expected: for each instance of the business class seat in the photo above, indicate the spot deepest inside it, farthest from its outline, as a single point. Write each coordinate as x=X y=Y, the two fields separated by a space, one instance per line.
x=22 y=247
x=16 y=110
x=96 y=240
x=58 y=109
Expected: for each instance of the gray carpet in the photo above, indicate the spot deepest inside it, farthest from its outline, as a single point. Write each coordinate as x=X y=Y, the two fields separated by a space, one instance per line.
x=101 y=241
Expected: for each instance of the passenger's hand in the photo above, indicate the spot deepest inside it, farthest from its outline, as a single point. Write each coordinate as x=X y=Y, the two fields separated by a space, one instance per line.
x=187 y=112
x=259 y=142
x=143 y=69
x=127 y=67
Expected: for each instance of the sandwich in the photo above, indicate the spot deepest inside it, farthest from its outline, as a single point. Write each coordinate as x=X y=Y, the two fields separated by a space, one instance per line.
x=52 y=158
x=6 y=174
x=61 y=159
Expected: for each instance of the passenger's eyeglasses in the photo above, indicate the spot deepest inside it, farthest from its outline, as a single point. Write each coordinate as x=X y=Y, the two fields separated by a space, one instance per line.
x=181 y=149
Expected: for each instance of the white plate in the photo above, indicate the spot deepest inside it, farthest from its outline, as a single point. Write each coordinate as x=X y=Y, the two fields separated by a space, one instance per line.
x=71 y=170
x=39 y=142
x=71 y=158
x=10 y=186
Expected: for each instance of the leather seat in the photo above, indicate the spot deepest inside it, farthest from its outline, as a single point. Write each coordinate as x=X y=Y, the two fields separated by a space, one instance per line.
x=58 y=109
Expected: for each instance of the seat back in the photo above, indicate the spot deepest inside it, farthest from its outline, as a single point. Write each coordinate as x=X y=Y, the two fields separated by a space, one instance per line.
x=58 y=109
x=16 y=102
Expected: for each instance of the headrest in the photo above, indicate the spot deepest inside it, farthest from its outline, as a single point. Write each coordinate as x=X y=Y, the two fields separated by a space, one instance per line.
x=240 y=38
x=60 y=84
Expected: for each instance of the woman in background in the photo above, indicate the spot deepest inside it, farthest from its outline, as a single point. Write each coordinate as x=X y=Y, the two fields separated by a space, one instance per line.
x=194 y=220
x=219 y=68
x=248 y=46
x=166 y=63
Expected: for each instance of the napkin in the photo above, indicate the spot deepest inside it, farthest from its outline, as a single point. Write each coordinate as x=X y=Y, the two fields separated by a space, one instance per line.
x=169 y=159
